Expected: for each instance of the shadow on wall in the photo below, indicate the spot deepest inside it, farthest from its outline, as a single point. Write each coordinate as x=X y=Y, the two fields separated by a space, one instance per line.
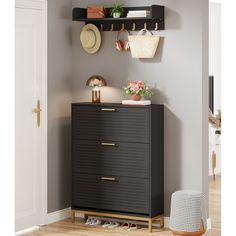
x=66 y=14
x=59 y=164
x=159 y=95
x=172 y=160
x=65 y=160
x=174 y=21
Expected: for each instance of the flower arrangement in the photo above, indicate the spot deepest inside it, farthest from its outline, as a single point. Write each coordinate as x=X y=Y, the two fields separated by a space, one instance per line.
x=139 y=88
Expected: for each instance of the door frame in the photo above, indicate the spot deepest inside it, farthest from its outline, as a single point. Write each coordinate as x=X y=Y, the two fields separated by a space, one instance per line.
x=41 y=5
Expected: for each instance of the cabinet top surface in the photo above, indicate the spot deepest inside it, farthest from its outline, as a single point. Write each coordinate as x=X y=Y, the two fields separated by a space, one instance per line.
x=113 y=104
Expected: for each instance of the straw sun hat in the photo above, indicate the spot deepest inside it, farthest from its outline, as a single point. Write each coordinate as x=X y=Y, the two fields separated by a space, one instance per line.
x=90 y=38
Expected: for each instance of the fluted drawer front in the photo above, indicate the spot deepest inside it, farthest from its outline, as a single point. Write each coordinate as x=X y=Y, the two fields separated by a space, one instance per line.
x=117 y=158
x=123 y=194
x=110 y=123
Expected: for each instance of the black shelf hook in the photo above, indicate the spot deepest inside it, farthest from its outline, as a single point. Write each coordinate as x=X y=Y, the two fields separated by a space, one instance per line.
x=112 y=27
x=134 y=27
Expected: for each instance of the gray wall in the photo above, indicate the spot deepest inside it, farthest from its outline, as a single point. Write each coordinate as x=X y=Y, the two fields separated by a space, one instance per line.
x=215 y=51
x=179 y=76
x=59 y=99
x=205 y=101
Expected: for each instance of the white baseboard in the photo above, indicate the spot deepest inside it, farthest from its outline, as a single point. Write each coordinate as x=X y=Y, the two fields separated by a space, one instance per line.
x=216 y=173
x=166 y=222
x=58 y=215
x=208 y=223
x=25 y=231
x=49 y=219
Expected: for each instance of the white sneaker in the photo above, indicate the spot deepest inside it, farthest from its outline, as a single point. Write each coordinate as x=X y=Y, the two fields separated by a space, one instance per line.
x=125 y=225
x=89 y=221
x=96 y=222
x=133 y=227
x=113 y=225
x=106 y=224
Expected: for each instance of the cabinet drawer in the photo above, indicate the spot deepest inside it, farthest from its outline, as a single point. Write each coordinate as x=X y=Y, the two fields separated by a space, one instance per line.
x=122 y=194
x=117 y=158
x=111 y=123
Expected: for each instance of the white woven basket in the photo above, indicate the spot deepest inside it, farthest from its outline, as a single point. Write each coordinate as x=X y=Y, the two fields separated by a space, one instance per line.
x=144 y=44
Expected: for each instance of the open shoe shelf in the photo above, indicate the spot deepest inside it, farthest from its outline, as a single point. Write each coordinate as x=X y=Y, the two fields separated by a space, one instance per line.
x=156 y=21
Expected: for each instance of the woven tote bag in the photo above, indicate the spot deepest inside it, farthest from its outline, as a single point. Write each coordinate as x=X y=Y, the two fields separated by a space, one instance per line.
x=144 y=44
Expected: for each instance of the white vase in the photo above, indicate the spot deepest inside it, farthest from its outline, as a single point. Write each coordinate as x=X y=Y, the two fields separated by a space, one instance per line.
x=116 y=15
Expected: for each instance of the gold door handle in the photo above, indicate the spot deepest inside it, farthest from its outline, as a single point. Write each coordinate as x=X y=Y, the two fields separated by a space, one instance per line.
x=108 y=178
x=37 y=110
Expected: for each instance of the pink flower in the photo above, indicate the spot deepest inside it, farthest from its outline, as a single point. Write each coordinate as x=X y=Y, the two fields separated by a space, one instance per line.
x=136 y=88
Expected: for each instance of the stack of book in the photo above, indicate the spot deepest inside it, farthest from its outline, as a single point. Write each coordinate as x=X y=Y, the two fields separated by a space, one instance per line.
x=136 y=103
x=139 y=13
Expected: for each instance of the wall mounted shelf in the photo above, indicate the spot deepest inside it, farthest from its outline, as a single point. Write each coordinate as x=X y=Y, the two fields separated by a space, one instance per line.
x=156 y=21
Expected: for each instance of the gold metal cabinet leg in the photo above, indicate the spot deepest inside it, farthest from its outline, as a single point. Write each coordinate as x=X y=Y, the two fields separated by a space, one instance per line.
x=73 y=216
x=150 y=225
x=85 y=217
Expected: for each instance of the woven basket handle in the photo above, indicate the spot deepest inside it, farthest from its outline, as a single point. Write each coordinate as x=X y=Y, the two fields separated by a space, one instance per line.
x=144 y=31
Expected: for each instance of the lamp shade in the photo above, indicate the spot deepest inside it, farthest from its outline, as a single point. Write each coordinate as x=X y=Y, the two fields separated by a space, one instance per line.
x=96 y=80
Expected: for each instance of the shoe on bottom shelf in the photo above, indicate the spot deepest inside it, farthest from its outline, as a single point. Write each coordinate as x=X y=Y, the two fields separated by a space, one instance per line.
x=106 y=224
x=96 y=222
x=133 y=227
x=93 y=221
x=89 y=221
x=113 y=225
x=125 y=225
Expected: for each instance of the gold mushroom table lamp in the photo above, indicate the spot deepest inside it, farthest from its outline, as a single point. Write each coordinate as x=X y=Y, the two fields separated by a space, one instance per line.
x=96 y=81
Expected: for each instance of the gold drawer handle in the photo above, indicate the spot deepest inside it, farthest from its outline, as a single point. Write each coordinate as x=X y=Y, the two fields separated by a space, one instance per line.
x=108 y=178
x=108 y=109
x=108 y=144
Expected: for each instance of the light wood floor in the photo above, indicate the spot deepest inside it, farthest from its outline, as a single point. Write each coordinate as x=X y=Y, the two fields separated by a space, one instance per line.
x=64 y=228
x=215 y=205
